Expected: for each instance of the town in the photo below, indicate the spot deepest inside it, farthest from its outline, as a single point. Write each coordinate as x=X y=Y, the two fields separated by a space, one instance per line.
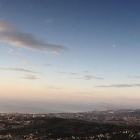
x=92 y=125
x=122 y=116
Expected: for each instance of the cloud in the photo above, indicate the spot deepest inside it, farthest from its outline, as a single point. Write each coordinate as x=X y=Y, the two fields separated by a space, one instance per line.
x=136 y=77
x=19 y=70
x=30 y=77
x=119 y=85
x=49 y=20
x=137 y=85
x=15 y=37
x=86 y=71
x=90 y=77
x=78 y=78
x=24 y=62
x=62 y=72
x=114 y=46
x=19 y=55
x=53 y=52
x=85 y=92
x=10 y=50
x=71 y=73
x=27 y=63
x=52 y=87
x=47 y=64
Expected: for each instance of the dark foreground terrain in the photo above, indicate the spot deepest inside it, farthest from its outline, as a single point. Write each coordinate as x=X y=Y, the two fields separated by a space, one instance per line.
x=45 y=128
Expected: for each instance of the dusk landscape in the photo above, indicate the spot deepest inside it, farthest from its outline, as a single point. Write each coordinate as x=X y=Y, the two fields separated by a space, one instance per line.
x=69 y=69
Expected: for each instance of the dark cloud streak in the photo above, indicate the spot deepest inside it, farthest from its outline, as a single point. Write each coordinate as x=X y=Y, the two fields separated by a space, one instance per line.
x=19 y=70
x=90 y=77
x=30 y=77
x=119 y=85
x=13 y=36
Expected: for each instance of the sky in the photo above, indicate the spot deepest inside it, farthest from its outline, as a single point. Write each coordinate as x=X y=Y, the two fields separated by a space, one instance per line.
x=70 y=52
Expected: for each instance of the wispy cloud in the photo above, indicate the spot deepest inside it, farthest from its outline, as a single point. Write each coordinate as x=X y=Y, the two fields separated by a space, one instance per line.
x=52 y=87
x=90 y=77
x=19 y=70
x=71 y=73
x=19 y=55
x=137 y=85
x=79 y=78
x=46 y=64
x=30 y=77
x=24 y=62
x=86 y=71
x=10 y=50
x=119 y=85
x=114 y=46
x=27 y=63
x=49 y=20
x=61 y=72
x=53 y=52
x=13 y=36
x=136 y=77
x=85 y=92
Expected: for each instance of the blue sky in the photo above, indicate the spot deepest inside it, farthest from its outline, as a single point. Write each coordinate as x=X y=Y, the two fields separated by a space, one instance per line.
x=70 y=49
